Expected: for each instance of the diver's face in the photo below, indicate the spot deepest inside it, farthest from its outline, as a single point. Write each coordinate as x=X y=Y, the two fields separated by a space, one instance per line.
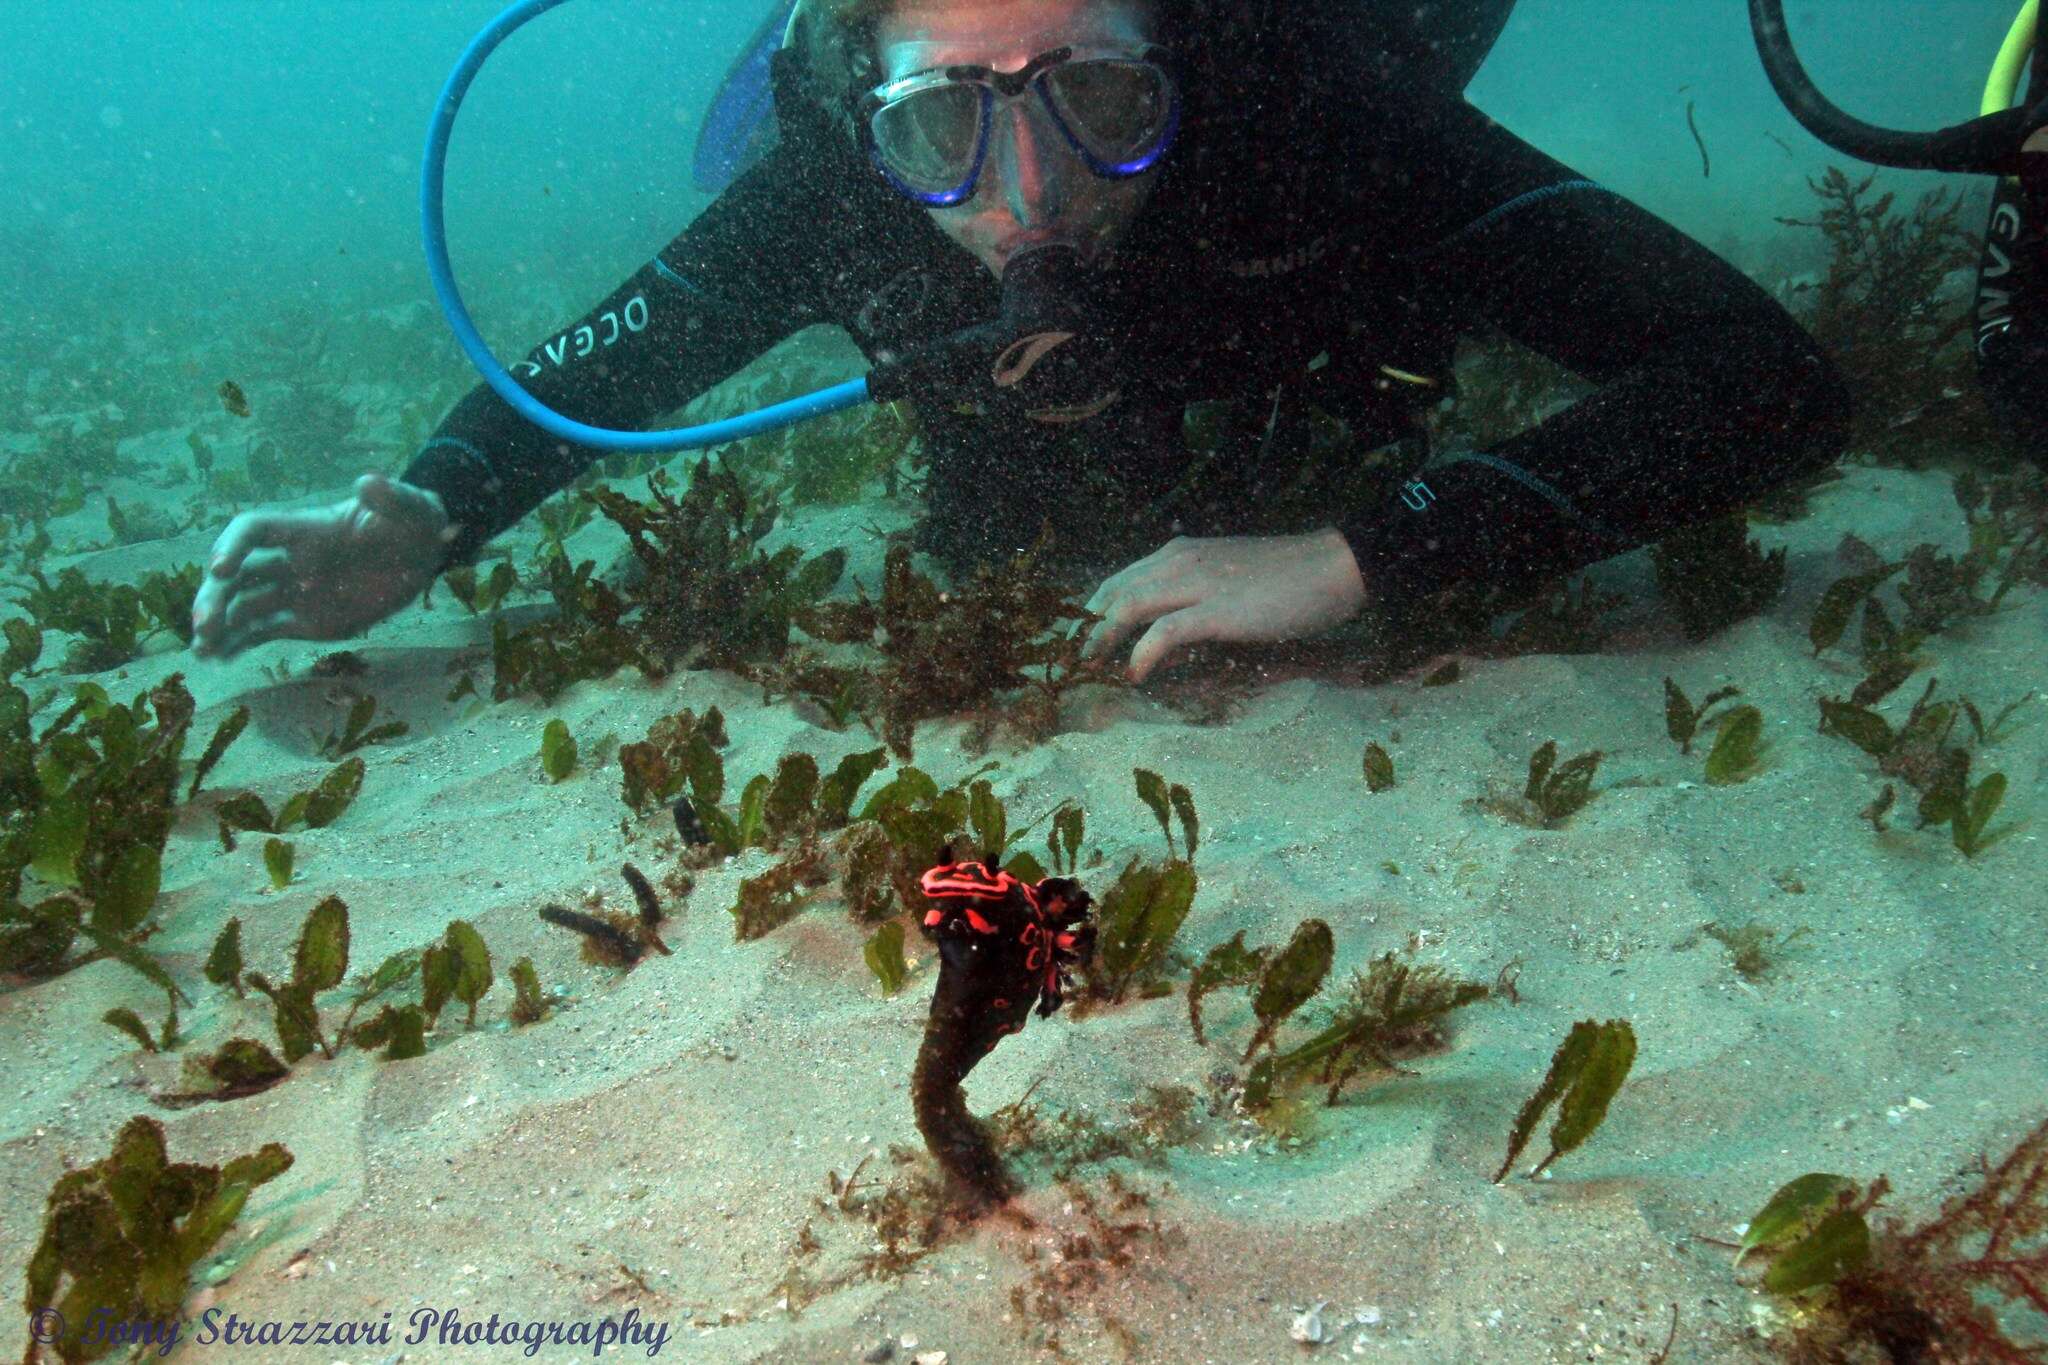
x=1035 y=188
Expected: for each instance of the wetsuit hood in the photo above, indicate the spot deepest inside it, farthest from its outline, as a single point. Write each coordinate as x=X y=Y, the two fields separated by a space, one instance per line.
x=1262 y=50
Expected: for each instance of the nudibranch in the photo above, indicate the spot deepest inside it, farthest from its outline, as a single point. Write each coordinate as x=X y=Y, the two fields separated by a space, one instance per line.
x=1004 y=945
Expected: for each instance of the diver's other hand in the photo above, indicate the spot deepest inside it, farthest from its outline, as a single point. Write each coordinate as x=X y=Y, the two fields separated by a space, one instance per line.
x=1227 y=589
x=322 y=574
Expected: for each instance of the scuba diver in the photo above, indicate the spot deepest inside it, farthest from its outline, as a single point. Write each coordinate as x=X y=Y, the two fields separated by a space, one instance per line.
x=2008 y=140
x=1052 y=226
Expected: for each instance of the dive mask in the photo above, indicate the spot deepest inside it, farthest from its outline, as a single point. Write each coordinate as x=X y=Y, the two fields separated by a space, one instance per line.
x=929 y=132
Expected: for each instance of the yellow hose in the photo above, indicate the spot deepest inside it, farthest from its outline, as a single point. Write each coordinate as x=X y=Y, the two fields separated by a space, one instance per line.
x=2004 y=87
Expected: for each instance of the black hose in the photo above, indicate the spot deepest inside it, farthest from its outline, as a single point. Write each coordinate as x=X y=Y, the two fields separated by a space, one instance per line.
x=1987 y=146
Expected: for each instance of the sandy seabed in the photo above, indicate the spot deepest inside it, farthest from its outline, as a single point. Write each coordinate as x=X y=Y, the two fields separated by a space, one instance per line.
x=657 y=1144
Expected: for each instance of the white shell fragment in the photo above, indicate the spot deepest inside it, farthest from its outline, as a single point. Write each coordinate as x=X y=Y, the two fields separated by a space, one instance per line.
x=1308 y=1326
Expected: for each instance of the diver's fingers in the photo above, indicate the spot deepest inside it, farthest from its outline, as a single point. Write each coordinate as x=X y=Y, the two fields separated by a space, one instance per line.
x=252 y=605
x=277 y=625
x=253 y=531
x=1116 y=585
x=207 y=635
x=1105 y=603
x=261 y=569
x=207 y=605
x=256 y=568
x=233 y=627
x=1119 y=619
x=271 y=564
x=1136 y=583
x=1143 y=597
x=249 y=616
x=1173 y=631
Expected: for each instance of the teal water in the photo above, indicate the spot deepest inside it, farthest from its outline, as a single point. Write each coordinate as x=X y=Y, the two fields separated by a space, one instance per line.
x=226 y=155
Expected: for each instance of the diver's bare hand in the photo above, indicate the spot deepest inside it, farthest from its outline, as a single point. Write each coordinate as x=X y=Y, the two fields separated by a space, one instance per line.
x=322 y=574
x=1227 y=589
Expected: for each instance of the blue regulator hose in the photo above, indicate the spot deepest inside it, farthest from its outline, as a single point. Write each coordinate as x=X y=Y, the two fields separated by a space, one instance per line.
x=434 y=232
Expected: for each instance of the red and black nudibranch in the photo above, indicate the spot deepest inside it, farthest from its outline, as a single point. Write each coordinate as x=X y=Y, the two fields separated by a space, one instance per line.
x=1004 y=945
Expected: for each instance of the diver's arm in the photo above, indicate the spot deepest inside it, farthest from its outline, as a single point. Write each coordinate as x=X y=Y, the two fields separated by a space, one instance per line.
x=1710 y=393
x=2012 y=324
x=721 y=294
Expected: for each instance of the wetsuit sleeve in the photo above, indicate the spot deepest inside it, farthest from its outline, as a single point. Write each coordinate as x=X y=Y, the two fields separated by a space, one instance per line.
x=1709 y=394
x=740 y=278
x=2012 y=323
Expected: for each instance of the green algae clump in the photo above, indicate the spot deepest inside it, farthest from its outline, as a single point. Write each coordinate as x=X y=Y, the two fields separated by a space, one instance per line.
x=122 y=1236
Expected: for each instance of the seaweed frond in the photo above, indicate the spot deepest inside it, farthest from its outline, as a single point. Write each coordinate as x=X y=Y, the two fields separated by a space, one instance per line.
x=89 y=805
x=680 y=751
x=357 y=731
x=705 y=595
x=530 y=1004
x=1878 y=314
x=1395 y=1009
x=1713 y=575
x=111 y=622
x=1553 y=793
x=1138 y=919
x=1920 y=753
x=991 y=648
x=709 y=593
x=769 y=901
x=122 y=1236
x=1682 y=719
x=1969 y=1283
x=1585 y=1073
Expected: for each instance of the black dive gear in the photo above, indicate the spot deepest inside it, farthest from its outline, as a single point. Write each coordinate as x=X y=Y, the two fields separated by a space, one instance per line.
x=2011 y=305
x=1306 y=245
x=1436 y=45
x=1048 y=355
x=1989 y=145
x=1043 y=356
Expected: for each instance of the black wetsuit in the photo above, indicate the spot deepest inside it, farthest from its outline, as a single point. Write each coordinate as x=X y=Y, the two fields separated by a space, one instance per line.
x=1304 y=243
x=2012 y=308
